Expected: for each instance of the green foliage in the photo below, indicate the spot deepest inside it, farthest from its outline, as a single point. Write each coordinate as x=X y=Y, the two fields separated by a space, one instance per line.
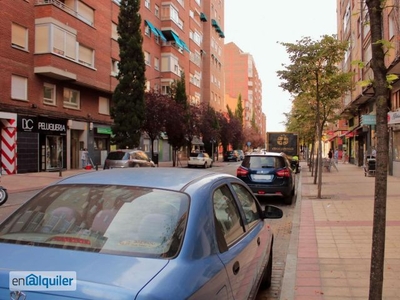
x=128 y=104
x=239 y=110
x=180 y=91
x=315 y=81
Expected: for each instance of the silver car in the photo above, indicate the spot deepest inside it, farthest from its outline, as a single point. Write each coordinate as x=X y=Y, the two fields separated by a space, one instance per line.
x=127 y=159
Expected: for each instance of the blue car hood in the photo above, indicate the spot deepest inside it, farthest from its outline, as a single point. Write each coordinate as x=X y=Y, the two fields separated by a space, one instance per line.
x=99 y=276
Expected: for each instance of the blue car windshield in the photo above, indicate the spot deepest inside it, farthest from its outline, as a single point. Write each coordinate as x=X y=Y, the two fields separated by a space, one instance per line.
x=108 y=219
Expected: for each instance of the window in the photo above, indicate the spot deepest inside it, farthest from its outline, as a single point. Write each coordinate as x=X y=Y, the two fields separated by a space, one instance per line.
x=227 y=215
x=104 y=106
x=392 y=24
x=147 y=3
x=157 y=11
x=367 y=53
x=114 y=67
x=54 y=39
x=396 y=145
x=249 y=206
x=147 y=30
x=49 y=93
x=85 y=13
x=165 y=89
x=114 y=31
x=86 y=56
x=147 y=58
x=365 y=21
x=19 y=36
x=156 y=63
x=346 y=17
x=71 y=98
x=19 y=87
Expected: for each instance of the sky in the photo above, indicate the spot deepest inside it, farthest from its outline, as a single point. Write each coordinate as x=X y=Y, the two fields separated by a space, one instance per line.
x=258 y=27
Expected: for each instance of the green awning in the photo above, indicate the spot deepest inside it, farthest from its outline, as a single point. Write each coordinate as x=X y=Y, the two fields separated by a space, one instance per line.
x=203 y=17
x=161 y=35
x=152 y=28
x=221 y=34
x=177 y=39
x=185 y=47
x=214 y=23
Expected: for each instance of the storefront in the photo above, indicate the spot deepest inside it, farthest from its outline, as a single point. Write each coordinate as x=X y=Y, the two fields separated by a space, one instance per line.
x=41 y=144
x=394 y=143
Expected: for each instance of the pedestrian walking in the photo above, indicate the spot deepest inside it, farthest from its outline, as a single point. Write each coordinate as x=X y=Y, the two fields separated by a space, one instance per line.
x=336 y=156
x=84 y=157
x=332 y=160
x=344 y=157
x=373 y=153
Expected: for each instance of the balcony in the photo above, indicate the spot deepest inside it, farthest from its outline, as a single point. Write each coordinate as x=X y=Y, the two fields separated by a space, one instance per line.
x=74 y=8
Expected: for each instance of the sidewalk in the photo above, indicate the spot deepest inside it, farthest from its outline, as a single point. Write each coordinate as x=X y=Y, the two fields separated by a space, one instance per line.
x=32 y=181
x=329 y=255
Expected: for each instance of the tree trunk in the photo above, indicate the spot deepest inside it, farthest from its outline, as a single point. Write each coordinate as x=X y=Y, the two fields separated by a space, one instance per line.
x=382 y=100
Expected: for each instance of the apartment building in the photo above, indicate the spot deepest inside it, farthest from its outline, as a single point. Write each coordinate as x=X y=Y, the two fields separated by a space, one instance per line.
x=213 y=43
x=241 y=78
x=59 y=59
x=357 y=129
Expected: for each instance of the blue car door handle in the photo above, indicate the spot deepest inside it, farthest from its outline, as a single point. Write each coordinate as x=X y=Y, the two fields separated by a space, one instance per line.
x=236 y=268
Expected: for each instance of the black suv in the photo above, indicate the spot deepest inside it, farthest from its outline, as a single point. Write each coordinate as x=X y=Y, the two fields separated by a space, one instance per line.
x=268 y=174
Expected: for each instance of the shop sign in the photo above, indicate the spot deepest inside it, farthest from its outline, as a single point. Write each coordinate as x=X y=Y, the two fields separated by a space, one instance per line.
x=41 y=125
x=104 y=130
x=368 y=119
x=393 y=117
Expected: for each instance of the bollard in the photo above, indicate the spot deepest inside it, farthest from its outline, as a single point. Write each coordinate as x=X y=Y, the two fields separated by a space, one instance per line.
x=97 y=167
x=60 y=172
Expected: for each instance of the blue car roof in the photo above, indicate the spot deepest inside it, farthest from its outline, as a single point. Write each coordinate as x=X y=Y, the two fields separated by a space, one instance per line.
x=168 y=178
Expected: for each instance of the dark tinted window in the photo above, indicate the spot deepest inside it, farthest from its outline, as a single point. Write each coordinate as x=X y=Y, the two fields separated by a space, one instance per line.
x=118 y=155
x=258 y=162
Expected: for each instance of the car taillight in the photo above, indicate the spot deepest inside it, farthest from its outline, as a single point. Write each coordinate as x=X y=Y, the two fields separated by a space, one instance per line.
x=241 y=172
x=283 y=173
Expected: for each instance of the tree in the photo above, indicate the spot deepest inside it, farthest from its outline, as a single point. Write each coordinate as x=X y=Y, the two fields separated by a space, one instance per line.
x=154 y=122
x=382 y=92
x=225 y=131
x=209 y=128
x=175 y=127
x=239 y=110
x=314 y=74
x=177 y=119
x=254 y=137
x=128 y=105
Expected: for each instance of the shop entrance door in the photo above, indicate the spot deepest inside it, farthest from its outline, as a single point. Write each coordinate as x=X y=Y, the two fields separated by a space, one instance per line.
x=54 y=152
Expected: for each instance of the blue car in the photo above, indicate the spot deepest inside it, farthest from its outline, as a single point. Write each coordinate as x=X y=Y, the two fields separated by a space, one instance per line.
x=138 y=233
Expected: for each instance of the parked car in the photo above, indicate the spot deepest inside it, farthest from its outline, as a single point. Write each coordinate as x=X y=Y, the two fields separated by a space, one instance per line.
x=135 y=233
x=241 y=154
x=127 y=159
x=268 y=174
x=200 y=159
x=231 y=155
